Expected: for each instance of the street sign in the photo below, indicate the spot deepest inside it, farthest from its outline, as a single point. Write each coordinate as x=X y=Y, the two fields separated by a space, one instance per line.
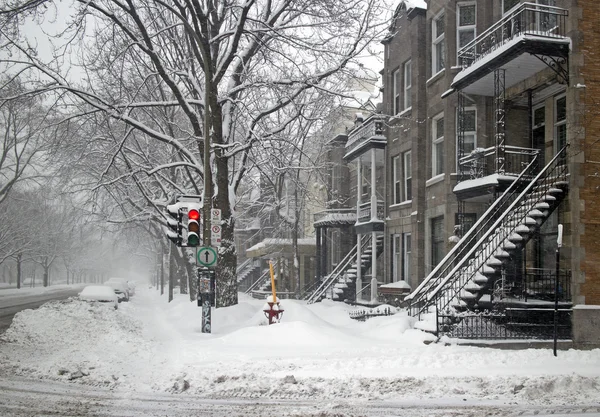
x=215 y=216
x=207 y=256
x=215 y=235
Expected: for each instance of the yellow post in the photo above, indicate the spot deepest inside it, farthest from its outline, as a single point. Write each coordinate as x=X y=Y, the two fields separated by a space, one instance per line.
x=273 y=282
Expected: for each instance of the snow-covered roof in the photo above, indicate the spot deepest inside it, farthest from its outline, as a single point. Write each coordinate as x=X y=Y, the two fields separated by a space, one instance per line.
x=336 y=218
x=268 y=246
x=415 y=4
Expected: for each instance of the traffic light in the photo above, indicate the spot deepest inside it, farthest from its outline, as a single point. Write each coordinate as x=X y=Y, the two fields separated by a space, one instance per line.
x=193 y=226
x=175 y=224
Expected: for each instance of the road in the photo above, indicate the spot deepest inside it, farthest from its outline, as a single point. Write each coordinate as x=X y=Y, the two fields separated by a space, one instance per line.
x=21 y=397
x=13 y=303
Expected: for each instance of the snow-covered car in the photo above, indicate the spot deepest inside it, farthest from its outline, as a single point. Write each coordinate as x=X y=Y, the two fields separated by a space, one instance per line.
x=99 y=293
x=119 y=286
x=131 y=286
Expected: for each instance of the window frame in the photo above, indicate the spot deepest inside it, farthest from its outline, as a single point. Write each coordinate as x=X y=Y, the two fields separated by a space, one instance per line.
x=396 y=257
x=396 y=91
x=397 y=197
x=437 y=240
x=436 y=141
x=406 y=256
x=558 y=124
x=407 y=176
x=465 y=28
x=467 y=132
x=407 y=85
x=505 y=11
x=435 y=41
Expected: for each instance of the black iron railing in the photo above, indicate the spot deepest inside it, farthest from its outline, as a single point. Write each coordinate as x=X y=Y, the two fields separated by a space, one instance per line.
x=529 y=19
x=509 y=323
x=481 y=162
x=443 y=286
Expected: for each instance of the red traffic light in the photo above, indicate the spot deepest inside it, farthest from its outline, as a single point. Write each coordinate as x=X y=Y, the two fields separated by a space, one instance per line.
x=194 y=214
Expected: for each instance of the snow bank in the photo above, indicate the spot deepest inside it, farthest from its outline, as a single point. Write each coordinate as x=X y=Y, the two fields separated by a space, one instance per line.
x=316 y=352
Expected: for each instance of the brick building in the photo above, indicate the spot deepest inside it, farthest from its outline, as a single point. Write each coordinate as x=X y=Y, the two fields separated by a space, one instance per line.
x=490 y=148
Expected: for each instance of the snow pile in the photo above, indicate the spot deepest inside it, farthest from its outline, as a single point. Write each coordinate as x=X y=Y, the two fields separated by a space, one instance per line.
x=62 y=338
x=316 y=352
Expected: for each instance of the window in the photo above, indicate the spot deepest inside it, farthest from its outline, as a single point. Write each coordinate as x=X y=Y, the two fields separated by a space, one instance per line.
x=438 y=47
x=396 y=88
x=407 y=84
x=437 y=146
x=406 y=252
x=560 y=123
x=464 y=222
x=470 y=133
x=366 y=180
x=508 y=4
x=407 y=192
x=466 y=16
x=546 y=22
x=397 y=181
x=396 y=257
x=437 y=240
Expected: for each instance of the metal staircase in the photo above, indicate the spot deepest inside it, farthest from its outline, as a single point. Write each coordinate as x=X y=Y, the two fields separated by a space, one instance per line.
x=340 y=284
x=476 y=265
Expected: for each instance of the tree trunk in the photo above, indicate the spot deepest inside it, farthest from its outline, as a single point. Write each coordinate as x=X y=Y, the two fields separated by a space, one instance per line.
x=162 y=268
x=19 y=265
x=182 y=266
x=226 y=277
x=296 y=262
x=46 y=272
x=172 y=272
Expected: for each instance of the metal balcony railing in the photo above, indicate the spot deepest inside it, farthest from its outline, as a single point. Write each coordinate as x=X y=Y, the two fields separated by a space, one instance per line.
x=527 y=19
x=334 y=215
x=365 y=215
x=371 y=128
x=482 y=162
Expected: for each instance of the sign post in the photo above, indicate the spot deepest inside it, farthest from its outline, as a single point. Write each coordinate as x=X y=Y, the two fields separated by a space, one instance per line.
x=206 y=296
x=207 y=257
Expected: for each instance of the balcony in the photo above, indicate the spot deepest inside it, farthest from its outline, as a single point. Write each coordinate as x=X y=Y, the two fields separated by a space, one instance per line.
x=484 y=170
x=366 y=136
x=365 y=215
x=527 y=40
x=335 y=217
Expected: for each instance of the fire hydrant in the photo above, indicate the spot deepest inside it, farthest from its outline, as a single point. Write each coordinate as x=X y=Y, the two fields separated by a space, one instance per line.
x=273 y=310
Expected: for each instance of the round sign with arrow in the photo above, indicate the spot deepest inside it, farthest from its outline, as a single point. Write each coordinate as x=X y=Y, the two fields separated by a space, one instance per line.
x=207 y=256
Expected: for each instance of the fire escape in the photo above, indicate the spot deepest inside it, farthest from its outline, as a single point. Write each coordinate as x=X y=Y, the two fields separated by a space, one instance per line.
x=476 y=291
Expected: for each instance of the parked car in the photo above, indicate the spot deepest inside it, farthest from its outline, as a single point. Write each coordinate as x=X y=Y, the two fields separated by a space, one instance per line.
x=131 y=286
x=119 y=286
x=101 y=294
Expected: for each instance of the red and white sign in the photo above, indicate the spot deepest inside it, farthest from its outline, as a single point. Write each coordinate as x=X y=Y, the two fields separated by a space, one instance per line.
x=215 y=215
x=215 y=235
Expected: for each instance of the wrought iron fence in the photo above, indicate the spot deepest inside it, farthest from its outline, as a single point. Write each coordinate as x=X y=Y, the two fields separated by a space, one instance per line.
x=508 y=323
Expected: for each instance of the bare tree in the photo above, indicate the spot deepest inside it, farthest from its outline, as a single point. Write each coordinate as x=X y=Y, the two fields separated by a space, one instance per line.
x=22 y=120
x=226 y=69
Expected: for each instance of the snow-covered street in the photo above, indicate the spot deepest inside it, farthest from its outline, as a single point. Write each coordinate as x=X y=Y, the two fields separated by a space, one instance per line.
x=317 y=353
